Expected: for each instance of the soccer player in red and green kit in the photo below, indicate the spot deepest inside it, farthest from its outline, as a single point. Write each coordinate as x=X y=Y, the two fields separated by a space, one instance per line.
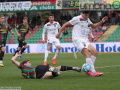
x=40 y=71
x=21 y=31
x=4 y=28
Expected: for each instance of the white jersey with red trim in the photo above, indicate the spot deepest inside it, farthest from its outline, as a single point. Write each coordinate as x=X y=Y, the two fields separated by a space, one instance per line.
x=52 y=29
x=80 y=28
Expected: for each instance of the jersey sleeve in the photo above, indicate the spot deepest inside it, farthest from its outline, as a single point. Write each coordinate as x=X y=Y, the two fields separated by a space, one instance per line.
x=74 y=21
x=44 y=30
x=89 y=22
x=21 y=66
x=91 y=35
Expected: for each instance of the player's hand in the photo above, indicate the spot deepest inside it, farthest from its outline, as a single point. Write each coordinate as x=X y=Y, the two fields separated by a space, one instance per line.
x=104 y=19
x=19 y=35
x=29 y=32
x=13 y=33
x=92 y=39
x=43 y=41
x=17 y=54
x=57 y=36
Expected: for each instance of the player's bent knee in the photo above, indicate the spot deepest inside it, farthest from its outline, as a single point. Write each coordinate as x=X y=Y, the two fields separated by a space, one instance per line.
x=26 y=46
x=59 y=48
x=95 y=52
x=86 y=53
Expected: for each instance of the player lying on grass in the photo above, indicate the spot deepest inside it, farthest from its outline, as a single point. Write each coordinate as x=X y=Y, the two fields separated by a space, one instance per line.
x=41 y=71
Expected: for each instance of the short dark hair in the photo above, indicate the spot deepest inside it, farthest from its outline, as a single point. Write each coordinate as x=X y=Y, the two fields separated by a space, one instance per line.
x=25 y=61
x=51 y=15
x=25 y=18
x=2 y=16
x=85 y=12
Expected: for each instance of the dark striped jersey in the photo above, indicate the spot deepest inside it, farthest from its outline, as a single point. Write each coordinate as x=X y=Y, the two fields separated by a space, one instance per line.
x=4 y=31
x=23 y=29
x=27 y=71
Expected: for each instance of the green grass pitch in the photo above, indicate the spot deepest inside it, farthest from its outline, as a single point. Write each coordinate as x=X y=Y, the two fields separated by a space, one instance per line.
x=109 y=63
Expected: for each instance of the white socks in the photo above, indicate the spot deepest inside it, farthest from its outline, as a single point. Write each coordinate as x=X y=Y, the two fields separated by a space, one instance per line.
x=93 y=58
x=46 y=55
x=1 y=61
x=56 y=54
x=89 y=61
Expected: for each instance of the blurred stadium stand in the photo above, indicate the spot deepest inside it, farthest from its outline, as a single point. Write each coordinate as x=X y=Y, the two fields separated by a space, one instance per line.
x=36 y=36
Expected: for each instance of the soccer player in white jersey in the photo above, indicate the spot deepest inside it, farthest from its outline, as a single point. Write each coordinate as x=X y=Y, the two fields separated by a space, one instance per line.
x=52 y=28
x=80 y=23
x=88 y=32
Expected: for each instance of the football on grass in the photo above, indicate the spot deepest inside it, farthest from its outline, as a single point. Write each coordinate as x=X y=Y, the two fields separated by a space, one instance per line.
x=86 y=67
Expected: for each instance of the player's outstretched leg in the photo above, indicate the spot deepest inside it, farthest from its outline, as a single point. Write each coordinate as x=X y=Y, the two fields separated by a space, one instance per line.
x=93 y=58
x=56 y=54
x=45 y=58
x=54 y=58
x=49 y=44
x=93 y=73
x=23 y=49
x=64 y=68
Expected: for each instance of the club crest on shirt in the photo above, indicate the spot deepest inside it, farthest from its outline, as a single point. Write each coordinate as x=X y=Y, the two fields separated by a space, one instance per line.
x=87 y=21
x=54 y=25
x=84 y=45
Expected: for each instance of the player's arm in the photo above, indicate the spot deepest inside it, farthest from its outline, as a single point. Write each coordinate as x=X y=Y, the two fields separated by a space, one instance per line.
x=29 y=30
x=92 y=36
x=10 y=30
x=14 y=61
x=59 y=27
x=17 y=31
x=43 y=34
x=13 y=33
x=99 y=23
x=62 y=28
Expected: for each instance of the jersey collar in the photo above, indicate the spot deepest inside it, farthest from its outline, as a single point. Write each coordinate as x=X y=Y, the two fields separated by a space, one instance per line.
x=83 y=18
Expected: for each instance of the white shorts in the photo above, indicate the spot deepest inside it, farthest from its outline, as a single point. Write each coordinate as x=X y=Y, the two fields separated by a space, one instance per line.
x=80 y=44
x=54 y=41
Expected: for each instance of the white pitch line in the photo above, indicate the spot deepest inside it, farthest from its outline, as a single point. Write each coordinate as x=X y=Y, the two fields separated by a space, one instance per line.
x=107 y=66
x=111 y=72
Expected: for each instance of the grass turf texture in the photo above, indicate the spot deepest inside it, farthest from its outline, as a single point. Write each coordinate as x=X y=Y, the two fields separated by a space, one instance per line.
x=10 y=75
